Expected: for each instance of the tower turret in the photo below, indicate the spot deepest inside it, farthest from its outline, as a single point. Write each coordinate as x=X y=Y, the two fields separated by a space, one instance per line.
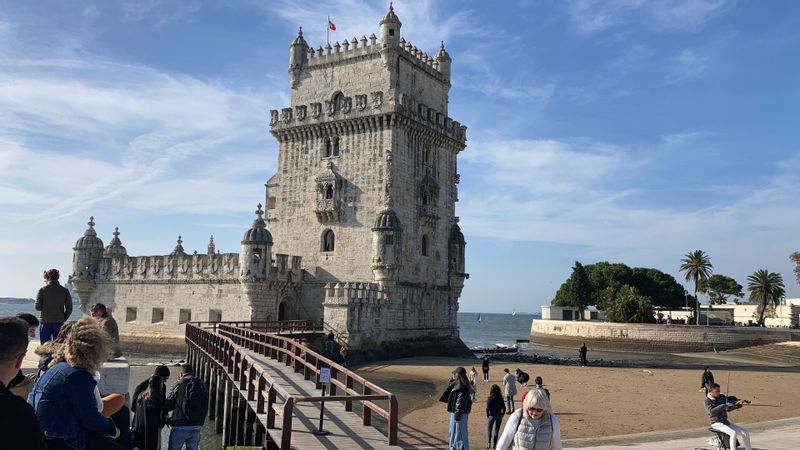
x=115 y=247
x=256 y=253
x=86 y=256
x=390 y=28
x=178 y=250
x=298 y=57
x=385 y=246
x=456 y=244
x=443 y=61
x=211 y=247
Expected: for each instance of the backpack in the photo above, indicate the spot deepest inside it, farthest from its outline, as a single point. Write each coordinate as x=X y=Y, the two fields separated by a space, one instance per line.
x=195 y=405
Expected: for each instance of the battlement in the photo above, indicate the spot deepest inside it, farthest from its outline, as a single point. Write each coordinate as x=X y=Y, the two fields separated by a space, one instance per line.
x=354 y=294
x=366 y=106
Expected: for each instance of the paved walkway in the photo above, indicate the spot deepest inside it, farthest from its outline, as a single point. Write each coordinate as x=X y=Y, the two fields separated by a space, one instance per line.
x=774 y=435
x=347 y=429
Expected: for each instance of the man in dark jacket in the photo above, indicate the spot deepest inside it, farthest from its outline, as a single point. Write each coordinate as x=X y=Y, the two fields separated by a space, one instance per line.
x=706 y=380
x=188 y=402
x=55 y=303
x=718 y=415
x=19 y=427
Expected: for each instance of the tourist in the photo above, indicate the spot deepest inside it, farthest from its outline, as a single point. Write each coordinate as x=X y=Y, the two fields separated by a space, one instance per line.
x=583 y=350
x=485 y=369
x=343 y=354
x=718 y=414
x=522 y=377
x=65 y=397
x=22 y=384
x=459 y=405
x=161 y=371
x=52 y=351
x=148 y=419
x=533 y=427
x=188 y=401
x=509 y=389
x=540 y=385
x=19 y=428
x=109 y=325
x=55 y=303
x=330 y=343
x=706 y=380
x=473 y=380
x=495 y=410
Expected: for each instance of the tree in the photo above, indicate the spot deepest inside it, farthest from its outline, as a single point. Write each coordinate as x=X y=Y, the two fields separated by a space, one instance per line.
x=719 y=288
x=767 y=289
x=580 y=290
x=696 y=266
x=795 y=257
x=626 y=304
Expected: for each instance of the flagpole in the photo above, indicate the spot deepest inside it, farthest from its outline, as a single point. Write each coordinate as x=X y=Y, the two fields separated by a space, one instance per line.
x=327 y=31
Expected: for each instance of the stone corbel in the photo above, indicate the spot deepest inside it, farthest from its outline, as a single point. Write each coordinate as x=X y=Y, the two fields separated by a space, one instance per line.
x=377 y=99
x=273 y=117
x=301 y=112
x=316 y=110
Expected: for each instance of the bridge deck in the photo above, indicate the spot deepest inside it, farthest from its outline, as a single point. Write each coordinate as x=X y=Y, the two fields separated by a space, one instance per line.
x=347 y=429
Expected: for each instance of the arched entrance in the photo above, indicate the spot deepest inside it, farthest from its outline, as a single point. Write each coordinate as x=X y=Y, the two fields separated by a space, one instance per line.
x=282 y=311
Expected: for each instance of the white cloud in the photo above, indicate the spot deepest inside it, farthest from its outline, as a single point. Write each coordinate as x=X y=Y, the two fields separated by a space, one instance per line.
x=687 y=65
x=591 y=16
x=162 y=12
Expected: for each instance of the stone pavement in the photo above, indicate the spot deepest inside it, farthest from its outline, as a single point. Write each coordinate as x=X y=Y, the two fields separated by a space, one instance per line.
x=774 y=435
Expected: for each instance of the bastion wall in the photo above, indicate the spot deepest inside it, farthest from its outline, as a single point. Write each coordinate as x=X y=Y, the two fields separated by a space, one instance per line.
x=650 y=337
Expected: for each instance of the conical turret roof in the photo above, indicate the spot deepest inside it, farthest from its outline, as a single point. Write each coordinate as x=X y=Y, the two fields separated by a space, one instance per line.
x=258 y=232
x=89 y=239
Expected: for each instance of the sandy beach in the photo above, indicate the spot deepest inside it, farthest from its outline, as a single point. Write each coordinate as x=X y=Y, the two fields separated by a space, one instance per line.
x=589 y=401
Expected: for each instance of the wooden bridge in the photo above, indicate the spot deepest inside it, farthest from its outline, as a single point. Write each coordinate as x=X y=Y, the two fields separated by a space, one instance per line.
x=264 y=389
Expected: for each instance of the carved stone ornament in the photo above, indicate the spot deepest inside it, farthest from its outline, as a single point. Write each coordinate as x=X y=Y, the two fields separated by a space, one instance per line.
x=347 y=105
x=361 y=102
x=301 y=112
x=286 y=115
x=273 y=117
x=377 y=99
x=329 y=107
x=316 y=110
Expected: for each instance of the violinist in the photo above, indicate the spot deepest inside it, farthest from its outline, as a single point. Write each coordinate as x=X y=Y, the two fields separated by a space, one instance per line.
x=718 y=414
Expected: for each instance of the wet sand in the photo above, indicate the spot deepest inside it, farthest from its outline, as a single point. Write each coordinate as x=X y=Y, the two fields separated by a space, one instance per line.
x=589 y=401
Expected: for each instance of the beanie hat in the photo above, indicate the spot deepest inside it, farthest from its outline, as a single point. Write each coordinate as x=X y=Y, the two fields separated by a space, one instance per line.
x=161 y=371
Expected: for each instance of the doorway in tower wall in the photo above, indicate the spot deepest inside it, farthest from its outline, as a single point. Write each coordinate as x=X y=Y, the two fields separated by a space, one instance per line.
x=282 y=311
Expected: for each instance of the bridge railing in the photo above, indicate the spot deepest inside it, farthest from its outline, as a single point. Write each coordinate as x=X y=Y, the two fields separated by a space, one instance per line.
x=303 y=359
x=269 y=326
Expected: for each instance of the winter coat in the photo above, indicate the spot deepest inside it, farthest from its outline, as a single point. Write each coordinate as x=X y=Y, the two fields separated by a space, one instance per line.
x=55 y=303
x=148 y=420
x=459 y=401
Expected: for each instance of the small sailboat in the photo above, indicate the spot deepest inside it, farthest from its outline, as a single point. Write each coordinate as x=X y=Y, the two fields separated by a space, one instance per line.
x=514 y=313
x=478 y=318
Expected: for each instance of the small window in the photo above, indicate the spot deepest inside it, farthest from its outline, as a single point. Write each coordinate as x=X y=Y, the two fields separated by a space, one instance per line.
x=338 y=101
x=427 y=156
x=424 y=245
x=391 y=31
x=336 y=146
x=185 y=316
x=424 y=198
x=130 y=314
x=158 y=315
x=215 y=315
x=271 y=202
x=328 y=191
x=328 y=148
x=328 y=241
x=388 y=239
x=256 y=256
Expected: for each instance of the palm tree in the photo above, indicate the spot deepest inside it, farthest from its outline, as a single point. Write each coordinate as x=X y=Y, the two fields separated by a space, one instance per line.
x=696 y=267
x=767 y=289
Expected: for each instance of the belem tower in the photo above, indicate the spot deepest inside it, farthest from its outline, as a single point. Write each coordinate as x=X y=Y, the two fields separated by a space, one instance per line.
x=358 y=228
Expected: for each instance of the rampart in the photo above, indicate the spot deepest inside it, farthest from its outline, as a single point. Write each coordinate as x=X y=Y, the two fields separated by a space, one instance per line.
x=651 y=337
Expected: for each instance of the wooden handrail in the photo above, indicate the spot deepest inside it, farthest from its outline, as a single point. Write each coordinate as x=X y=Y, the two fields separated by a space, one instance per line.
x=298 y=356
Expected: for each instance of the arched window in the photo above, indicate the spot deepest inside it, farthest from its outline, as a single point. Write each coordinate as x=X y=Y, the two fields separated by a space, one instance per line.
x=424 y=198
x=328 y=241
x=328 y=192
x=424 y=245
x=336 y=146
x=427 y=156
x=328 y=148
x=338 y=101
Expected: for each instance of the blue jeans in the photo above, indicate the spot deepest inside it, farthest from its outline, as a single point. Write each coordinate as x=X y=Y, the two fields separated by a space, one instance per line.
x=494 y=422
x=459 y=434
x=510 y=403
x=189 y=434
x=48 y=331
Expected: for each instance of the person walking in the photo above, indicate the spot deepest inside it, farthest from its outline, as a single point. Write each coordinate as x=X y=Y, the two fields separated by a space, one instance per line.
x=109 y=325
x=459 y=405
x=485 y=368
x=509 y=389
x=473 y=380
x=522 y=377
x=330 y=343
x=706 y=380
x=540 y=385
x=55 y=304
x=583 y=350
x=148 y=419
x=532 y=427
x=495 y=410
x=188 y=401
x=718 y=414
x=19 y=427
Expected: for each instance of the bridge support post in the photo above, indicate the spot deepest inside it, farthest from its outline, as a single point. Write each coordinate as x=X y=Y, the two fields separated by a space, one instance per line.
x=233 y=426
x=249 y=427
x=228 y=410
x=259 y=438
x=219 y=423
x=366 y=413
x=212 y=393
x=241 y=419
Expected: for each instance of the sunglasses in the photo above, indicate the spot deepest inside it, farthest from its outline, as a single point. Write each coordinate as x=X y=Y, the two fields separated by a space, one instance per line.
x=538 y=410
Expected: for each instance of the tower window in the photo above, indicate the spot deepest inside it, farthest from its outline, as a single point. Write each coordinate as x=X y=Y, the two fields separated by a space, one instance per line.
x=328 y=241
x=338 y=101
x=424 y=198
x=336 y=146
x=391 y=31
x=130 y=314
x=185 y=315
x=328 y=192
x=257 y=256
x=158 y=315
x=388 y=239
x=328 y=148
x=424 y=245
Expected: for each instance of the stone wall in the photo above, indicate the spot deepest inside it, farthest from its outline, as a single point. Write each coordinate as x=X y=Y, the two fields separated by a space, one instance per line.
x=650 y=337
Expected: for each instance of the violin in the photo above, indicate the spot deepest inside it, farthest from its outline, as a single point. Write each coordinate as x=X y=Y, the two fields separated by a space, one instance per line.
x=732 y=401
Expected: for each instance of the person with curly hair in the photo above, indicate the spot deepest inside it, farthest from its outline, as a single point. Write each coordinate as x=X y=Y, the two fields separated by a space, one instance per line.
x=64 y=397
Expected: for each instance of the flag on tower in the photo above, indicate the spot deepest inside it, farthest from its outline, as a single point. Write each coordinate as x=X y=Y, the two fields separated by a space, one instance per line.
x=331 y=25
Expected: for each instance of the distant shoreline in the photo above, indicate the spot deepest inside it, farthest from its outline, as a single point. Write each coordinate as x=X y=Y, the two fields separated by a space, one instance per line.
x=15 y=300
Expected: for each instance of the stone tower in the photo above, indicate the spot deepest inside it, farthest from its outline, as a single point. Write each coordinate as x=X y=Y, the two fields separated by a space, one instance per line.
x=366 y=187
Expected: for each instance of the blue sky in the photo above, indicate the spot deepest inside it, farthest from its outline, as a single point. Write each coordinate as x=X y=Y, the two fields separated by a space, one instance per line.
x=629 y=130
